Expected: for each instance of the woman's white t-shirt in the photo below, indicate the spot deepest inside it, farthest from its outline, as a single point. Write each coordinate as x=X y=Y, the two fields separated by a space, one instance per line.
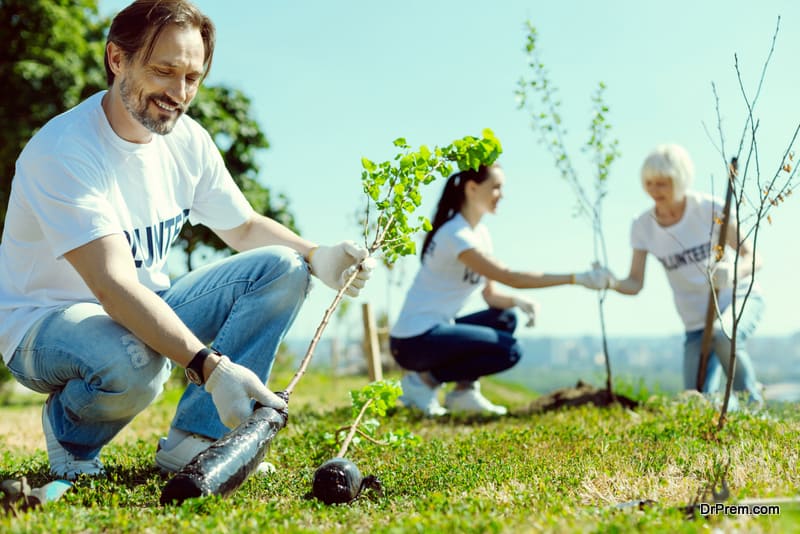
x=443 y=284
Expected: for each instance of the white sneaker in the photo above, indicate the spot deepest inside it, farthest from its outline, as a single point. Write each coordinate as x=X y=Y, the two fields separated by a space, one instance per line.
x=472 y=401
x=63 y=463
x=175 y=458
x=418 y=394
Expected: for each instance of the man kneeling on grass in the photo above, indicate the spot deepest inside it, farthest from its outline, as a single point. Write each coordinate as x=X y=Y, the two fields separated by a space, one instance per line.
x=88 y=313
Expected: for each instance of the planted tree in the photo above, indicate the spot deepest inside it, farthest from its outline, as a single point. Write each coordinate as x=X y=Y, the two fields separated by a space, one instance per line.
x=339 y=480
x=393 y=194
x=755 y=190
x=538 y=95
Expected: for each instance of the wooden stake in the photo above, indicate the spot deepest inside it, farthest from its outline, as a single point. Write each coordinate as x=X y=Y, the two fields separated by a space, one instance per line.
x=711 y=310
x=372 y=347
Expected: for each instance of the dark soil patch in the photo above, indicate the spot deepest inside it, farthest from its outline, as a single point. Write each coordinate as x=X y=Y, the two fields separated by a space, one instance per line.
x=579 y=395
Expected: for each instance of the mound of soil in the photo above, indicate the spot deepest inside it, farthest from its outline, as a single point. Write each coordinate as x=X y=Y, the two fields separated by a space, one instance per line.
x=579 y=395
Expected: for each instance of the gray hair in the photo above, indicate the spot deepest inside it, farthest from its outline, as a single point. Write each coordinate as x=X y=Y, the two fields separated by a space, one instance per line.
x=670 y=161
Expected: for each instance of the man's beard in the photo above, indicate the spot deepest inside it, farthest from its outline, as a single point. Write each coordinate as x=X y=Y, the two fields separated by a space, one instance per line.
x=138 y=108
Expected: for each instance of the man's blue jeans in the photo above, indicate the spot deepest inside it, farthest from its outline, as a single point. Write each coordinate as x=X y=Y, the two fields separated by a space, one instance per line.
x=99 y=376
x=476 y=345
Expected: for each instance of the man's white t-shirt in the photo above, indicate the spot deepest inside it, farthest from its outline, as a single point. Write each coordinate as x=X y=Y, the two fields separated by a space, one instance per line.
x=685 y=250
x=77 y=181
x=443 y=284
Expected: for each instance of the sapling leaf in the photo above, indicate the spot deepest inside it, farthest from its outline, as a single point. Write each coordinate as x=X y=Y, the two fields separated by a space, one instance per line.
x=383 y=394
x=368 y=165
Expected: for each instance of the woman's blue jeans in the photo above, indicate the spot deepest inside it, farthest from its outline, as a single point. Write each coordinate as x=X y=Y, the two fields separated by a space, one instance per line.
x=99 y=376
x=744 y=378
x=476 y=345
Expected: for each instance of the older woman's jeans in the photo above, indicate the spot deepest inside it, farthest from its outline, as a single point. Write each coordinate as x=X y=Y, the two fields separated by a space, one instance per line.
x=476 y=345
x=99 y=376
x=744 y=375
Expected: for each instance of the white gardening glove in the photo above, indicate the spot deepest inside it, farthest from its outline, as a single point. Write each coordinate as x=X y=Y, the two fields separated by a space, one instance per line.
x=232 y=386
x=334 y=265
x=528 y=307
x=598 y=278
x=722 y=275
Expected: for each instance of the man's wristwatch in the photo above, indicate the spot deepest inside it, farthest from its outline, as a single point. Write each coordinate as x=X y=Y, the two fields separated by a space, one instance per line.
x=194 y=371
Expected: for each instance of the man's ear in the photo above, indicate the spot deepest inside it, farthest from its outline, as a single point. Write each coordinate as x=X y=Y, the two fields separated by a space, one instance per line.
x=116 y=58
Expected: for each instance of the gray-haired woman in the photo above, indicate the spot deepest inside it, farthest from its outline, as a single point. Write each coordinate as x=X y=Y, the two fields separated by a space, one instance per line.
x=681 y=231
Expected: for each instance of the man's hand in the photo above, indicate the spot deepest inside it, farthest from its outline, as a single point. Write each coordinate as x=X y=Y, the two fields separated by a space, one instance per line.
x=722 y=275
x=335 y=264
x=598 y=278
x=232 y=386
x=528 y=307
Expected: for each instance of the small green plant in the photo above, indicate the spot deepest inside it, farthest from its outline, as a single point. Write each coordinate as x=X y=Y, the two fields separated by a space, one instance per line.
x=393 y=188
x=338 y=480
x=393 y=191
x=539 y=96
x=368 y=404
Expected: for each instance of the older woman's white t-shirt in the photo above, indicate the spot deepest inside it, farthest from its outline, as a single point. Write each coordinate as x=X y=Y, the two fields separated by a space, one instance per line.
x=685 y=250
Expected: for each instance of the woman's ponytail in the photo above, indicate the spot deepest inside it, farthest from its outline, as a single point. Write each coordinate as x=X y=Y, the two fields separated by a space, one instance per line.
x=452 y=200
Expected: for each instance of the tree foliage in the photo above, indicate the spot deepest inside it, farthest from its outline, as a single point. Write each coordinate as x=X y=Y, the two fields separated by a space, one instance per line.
x=227 y=115
x=754 y=188
x=52 y=59
x=392 y=188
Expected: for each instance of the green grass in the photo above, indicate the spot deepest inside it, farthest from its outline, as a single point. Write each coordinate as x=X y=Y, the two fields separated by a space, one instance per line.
x=554 y=472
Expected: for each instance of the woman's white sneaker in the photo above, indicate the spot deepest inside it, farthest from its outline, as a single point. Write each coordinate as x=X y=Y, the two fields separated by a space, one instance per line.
x=471 y=401
x=418 y=394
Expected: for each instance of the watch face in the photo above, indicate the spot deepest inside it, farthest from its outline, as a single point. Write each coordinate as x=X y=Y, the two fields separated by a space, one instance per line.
x=194 y=377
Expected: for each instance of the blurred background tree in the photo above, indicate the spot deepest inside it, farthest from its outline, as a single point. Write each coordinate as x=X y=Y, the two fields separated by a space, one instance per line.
x=51 y=59
x=227 y=115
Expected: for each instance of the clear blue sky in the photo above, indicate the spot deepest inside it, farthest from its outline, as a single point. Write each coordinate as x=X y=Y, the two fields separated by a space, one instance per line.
x=334 y=81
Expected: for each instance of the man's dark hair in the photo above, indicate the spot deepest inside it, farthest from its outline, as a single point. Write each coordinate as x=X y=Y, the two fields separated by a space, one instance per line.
x=136 y=28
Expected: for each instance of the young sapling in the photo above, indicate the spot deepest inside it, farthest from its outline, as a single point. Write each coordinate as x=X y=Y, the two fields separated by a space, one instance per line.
x=339 y=480
x=539 y=95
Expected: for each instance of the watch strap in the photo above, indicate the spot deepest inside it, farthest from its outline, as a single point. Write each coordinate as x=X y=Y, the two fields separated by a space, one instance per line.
x=198 y=361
